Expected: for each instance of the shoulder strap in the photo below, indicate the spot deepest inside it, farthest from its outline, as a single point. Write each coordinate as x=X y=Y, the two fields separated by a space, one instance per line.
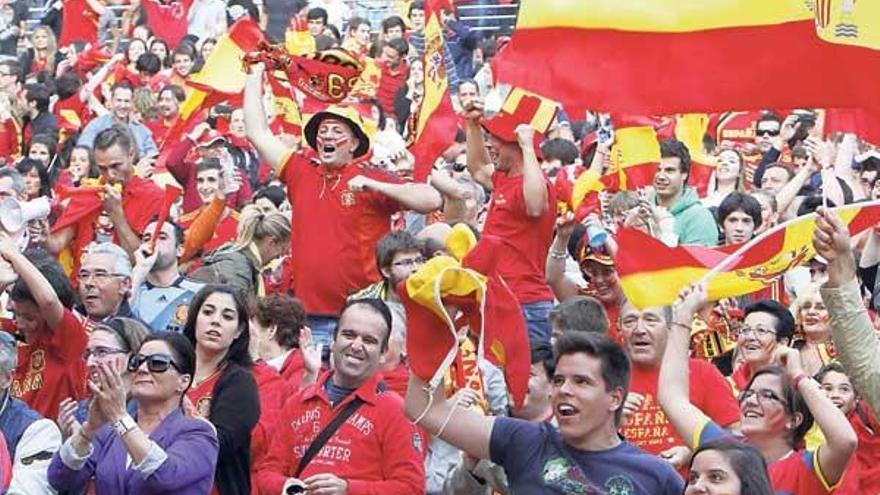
x=326 y=433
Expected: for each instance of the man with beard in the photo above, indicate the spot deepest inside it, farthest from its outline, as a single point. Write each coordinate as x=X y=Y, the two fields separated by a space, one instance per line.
x=160 y=294
x=345 y=204
x=376 y=450
x=522 y=211
x=170 y=99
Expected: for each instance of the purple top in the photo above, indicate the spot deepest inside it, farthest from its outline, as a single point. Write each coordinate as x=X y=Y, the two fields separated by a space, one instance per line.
x=190 y=444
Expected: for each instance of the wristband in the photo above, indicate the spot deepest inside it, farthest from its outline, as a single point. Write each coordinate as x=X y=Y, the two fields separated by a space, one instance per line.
x=558 y=255
x=796 y=381
x=124 y=425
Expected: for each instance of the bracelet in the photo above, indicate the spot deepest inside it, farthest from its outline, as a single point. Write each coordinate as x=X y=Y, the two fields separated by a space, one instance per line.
x=558 y=255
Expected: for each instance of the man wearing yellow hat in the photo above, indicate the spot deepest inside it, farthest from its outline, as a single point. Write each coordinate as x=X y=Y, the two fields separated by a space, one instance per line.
x=342 y=205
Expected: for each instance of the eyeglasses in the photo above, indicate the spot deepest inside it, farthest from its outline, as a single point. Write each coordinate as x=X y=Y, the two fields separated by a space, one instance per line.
x=763 y=395
x=100 y=352
x=99 y=277
x=767 y=132
x=631 y=322
x=409 y=262
x=760 y=333
x=156 y=363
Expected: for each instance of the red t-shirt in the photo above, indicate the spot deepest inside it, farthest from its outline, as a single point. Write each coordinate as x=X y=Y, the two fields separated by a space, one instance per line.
x=273 y=391
x=391 y=82
x=159 y=129
x=526 y=239
x=52 y=369
x=333 y=244
x=79 y=23
x=862 y=475
x=168 y=21
x=650 y=430
x=201 y=397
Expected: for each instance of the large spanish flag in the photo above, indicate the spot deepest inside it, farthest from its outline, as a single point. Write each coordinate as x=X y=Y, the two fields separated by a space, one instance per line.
x=656 y=280
x=435 y=121
x=675 y=56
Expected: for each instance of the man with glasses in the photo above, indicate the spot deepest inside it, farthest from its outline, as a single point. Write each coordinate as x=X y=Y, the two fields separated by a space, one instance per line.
x=767 y=326
x=398 y=255
x=105 y=282
x=31 y=439
x=644 y=334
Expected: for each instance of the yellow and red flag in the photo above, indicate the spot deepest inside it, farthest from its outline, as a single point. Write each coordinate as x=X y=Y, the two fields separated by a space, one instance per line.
x=522 y=107
x=435 y=122
x=635 y=155
x=674 y=56
x=656 y=280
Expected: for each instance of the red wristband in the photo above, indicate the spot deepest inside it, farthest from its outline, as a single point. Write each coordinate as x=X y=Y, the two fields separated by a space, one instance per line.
x=796 y=381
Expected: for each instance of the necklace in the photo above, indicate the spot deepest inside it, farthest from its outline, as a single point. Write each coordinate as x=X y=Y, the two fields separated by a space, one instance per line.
x=197 y=383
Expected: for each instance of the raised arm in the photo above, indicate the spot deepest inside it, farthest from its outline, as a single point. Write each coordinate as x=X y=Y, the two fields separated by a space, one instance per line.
x=840 y=438
x=479 y=163
x=554 y=267
x=44 y=295
x=673 y=387
x=534 y=182
x=270 y=147
x=462 y=428
x=857 y=347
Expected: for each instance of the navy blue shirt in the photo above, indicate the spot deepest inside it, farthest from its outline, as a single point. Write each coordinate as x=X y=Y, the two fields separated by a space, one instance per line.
x=537 y=462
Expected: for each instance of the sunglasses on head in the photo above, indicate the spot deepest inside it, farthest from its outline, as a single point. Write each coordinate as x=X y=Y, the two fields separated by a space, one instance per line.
x=156 y=363
x=767 y=132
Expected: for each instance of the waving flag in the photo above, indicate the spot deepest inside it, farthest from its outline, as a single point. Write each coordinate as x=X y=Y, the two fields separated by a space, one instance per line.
x=674 y=56
x=435 y=122
x=690 y=128
x=656 y=280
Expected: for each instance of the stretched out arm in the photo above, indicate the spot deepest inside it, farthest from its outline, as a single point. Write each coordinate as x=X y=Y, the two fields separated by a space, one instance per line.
x=534 y=182
x=478 y=162
x=421 y=198
x=554 y=267
x=271 y=149
x=44 y=295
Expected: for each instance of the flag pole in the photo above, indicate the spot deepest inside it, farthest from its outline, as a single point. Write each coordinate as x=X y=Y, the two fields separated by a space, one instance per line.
x=736 y=255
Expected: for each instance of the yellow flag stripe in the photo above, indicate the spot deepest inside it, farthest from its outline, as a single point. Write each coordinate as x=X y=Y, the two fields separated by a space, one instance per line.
x=667 y=16
x=435 y=78
x=853 y=23
x=635 y=146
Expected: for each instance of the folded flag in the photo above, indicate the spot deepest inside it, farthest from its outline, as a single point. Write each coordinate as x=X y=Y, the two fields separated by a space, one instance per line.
x=656 y=280
x=490 y=314
x=718 y=49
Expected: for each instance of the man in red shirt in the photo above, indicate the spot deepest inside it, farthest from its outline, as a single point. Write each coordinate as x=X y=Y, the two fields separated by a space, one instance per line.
x=644 y=336
x=128 y=211
x=170 y=99
x=375 y=450
x=395 y=71
x=345 y=204
x=522 y=211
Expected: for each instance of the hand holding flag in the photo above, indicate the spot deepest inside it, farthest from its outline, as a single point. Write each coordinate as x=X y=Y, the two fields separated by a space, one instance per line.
x=832 y=241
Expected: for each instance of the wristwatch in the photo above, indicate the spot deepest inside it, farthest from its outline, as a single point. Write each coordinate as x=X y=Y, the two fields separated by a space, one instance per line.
x=124 y=425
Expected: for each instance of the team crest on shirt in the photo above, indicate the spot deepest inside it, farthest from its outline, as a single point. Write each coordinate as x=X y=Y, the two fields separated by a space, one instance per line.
x=417 y=442
x=619 y=485
x=203 y=407
x=560 y=473
x=347 y=199
x=38 y=361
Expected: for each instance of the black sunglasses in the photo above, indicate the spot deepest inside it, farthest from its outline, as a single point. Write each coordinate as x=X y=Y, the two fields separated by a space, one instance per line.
x=767 y=132
x=156 y=363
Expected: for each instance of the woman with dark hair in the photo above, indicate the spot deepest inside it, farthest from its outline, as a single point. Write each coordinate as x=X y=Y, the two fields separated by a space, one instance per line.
x=80 y=165
x=729 y=176
x=36 y=179
x=159 y=450
x=777 y=408
x=223 y=390
x=50 y=366
x=159 y=48
x=42 y=149
x=725 y=467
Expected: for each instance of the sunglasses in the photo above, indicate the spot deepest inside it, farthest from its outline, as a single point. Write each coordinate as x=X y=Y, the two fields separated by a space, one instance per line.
x=156 y=363
x=767 y=132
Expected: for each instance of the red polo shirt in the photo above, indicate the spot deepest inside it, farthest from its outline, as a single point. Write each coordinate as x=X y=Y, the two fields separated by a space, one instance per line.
x=526 y=239
x=51 y=369
x=377 y=450
x=334 y=237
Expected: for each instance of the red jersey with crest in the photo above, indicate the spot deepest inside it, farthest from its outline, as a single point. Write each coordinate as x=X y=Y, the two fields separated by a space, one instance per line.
x=51 y=368
x=333 y=246
x=526 y=239
x=376 y=450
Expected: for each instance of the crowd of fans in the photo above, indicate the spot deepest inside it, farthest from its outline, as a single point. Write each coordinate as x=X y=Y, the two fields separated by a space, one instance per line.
x=254 y=338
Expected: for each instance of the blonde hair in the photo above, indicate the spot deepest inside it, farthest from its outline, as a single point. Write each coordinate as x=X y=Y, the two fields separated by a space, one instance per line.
x=804 y=296
x=254 y=225
x=51 y=47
